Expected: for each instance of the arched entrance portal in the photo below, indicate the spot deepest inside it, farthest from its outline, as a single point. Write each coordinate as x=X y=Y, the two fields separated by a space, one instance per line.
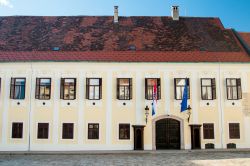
x=168 y=134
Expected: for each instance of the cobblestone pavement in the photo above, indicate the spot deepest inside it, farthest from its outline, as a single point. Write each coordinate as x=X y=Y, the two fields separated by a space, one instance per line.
x=198 y=158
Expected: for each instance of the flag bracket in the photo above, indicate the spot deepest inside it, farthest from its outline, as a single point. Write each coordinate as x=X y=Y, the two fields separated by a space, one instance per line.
x=189 y=112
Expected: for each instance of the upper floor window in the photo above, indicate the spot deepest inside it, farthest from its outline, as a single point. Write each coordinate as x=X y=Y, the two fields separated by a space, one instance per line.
x=68 y=88
x=94 y=88
x=149 y=88
x=17 y=130
x=43 y=88
x=234 y=130
x=179 y=84
x=208 y=89
x=0 y=85
x=234 y=88
x=208 y=130
x=124 y=88
x=17 y=88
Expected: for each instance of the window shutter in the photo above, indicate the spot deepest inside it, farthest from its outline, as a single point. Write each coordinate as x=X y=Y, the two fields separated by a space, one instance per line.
x=62 y=88
x=239 y=92
x=118 y=88
x=158 y=88
x=100 y=89
x=175 y=95
x=130 y=89
x=74 y=88
x=188 y=87
x=146 y=88
x=37 y=93
x=87 y=88
x=213 y=88
x=12 y=88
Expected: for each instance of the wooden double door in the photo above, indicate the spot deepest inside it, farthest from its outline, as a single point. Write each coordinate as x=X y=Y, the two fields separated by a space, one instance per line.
x=168 y=134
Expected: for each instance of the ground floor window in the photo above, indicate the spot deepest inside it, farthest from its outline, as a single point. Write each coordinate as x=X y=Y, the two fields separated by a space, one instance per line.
x=68 y=131
x=17 y=130
x=208 y=131
x=234 y=130
x=43 y=131
x=124 y=131
x=93 y=131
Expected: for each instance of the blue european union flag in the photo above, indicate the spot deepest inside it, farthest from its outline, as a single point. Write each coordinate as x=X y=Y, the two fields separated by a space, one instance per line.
x=184 y=98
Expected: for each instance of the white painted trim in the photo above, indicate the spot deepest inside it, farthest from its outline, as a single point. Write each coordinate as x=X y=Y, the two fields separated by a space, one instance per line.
x=81 y=98
x=139 y=100
x=109 y=92
x=167 y=92
x=195 y=97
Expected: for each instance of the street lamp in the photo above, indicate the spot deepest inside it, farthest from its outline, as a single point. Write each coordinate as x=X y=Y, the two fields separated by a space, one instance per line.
x=189 y=112
x=146 y=113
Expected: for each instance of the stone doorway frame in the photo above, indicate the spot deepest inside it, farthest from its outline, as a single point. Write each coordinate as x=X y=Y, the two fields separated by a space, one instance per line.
x=167 y=117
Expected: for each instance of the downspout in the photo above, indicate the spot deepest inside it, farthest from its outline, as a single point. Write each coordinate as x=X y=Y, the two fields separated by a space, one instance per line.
x=29 y=123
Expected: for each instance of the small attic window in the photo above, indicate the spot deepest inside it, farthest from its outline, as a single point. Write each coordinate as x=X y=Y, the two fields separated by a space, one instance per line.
x=56 y=48
x=202 y=49
x=132 y=48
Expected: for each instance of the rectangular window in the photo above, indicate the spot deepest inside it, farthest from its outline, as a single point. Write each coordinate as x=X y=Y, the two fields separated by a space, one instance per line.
x=124 y=131
x=17 y=88
x=17 y=130
x=234 y=130
x=124 y=88
x=68 y=88
x=43 y=88
x=43 y=131
x=179 y=87
x=208 y=131
x=208 y=89
x=93 y=131
x=233 y=88
x=94 y=88
x=68 y=131
x=149 y=87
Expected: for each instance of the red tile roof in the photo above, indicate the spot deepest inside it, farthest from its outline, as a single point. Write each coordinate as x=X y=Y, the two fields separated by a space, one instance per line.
x=90 y=33
x=125 y=56
x=246 y=37
x=89 y=38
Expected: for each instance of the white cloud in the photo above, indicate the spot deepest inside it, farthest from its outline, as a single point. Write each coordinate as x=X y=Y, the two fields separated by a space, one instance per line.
x=6 y=3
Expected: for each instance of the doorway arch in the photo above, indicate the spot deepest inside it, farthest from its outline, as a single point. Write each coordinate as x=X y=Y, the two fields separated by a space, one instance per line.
x=168 y=120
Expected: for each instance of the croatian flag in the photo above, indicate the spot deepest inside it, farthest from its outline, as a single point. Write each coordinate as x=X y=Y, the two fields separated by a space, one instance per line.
x=154 y=100
x=184 y=98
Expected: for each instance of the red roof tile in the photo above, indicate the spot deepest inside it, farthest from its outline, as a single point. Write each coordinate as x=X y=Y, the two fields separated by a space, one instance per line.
x=246 y=37
x=90 y=33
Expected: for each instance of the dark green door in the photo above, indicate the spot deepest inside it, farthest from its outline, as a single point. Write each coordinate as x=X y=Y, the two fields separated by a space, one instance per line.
x=167 y=134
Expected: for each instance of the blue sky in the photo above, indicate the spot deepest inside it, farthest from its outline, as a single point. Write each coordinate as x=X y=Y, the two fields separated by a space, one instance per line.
x=233 y=13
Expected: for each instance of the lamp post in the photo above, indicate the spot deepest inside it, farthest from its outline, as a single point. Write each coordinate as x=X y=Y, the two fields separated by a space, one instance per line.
x=146 y=113
x=189 y=112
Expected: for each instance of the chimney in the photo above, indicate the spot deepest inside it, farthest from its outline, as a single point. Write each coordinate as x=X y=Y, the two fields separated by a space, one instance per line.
x=115 y=14
x=175 y=13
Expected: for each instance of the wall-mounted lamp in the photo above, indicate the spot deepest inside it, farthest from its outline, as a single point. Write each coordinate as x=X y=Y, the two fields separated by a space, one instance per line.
x=146 y=113
x=189 y=112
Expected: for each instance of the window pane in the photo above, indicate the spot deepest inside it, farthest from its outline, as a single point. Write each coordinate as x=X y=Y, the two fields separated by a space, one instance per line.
x=44 y=81
x=124 y=81
x=20 y=81
x=152 y=82
x=231 y=82
x=180 y=82
x=206 y=82
x=204 y=93
x=234 y=89
x=179 y=91
x=96 y=92
x=94 y=81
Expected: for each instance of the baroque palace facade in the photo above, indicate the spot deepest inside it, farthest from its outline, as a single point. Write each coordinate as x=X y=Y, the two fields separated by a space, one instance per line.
x=85 y=83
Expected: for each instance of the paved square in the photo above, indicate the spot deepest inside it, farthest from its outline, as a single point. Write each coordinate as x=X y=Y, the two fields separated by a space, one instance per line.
x=182 y=158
